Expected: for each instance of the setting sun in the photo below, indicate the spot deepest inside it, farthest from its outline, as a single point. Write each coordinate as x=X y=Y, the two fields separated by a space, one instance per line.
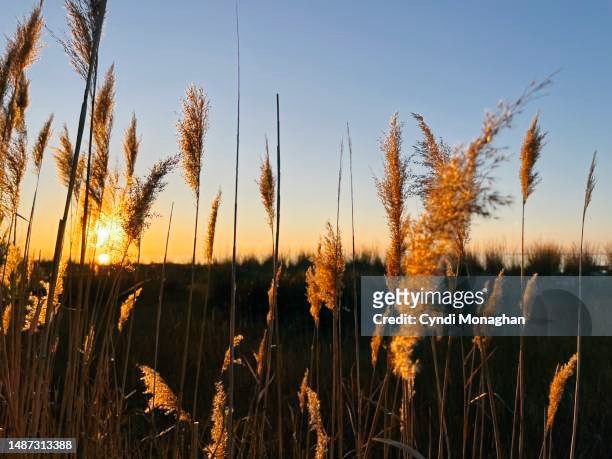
x=104 y=259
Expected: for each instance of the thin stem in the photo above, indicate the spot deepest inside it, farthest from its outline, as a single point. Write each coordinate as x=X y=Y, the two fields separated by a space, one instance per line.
x=232 y=325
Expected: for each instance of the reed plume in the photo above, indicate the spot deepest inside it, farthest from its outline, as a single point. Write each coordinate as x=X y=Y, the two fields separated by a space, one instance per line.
x=267 y=190
x=588 y=195
x=325 y=275
x=141 y=196
x=212 y=225
x=192 y=128
x=162 y=397
x=403 y=363
x=271 y=292
x=126 y=308
x=530 y=153
x=432 y=155
x=84 y=18
x=218 y=432
x=63 y=157
x=375 y=344
x=131 y=143
x=15 y=164
x=260 y=355
x=393 y=192
x=103 y=117
x=63 y=161
x=21 y=51
x=557 y=387
x=226 y=360
x=309 y=398
x=41 y=144
x=529 y=296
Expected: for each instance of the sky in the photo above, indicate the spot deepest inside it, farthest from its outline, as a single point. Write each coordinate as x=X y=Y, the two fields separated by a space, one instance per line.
x=333 y=63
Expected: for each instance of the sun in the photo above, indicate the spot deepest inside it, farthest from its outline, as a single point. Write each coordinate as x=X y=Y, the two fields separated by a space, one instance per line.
x=104 y=259
x=108 y=239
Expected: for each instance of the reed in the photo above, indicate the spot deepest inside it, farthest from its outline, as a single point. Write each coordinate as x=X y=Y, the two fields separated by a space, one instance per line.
x=191 y=128
x=588 y=195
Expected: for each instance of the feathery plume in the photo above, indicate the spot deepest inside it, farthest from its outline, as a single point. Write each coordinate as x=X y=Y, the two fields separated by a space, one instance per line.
x=324 y=277
x=557 y=387
x=131 y=143
x=162 y=398
x=432 y=155
x=63 y=157
x=126 y=308
x=85 y=19
x=41 y=144
x=212 y=225
x=192 y=128
x=274 y=283
x=393 y=191
x=313 y=294
x=15 y=164
x=375 y=343
x=218 y=432
x=6 y=318
x=401 y=349
x=21 y=51
x=267 y=189
x=590 y=185
x=303 y=392
x=495 y=296
x=137 y=207
x=226 y=360
x=529 y=296
x=315 y=423
x=260 y=355
x=102 y=126
x=63 y=161
x=19 y=103
x=530 y=152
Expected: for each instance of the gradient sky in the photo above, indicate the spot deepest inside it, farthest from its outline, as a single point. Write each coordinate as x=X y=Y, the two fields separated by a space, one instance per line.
x=334 y=62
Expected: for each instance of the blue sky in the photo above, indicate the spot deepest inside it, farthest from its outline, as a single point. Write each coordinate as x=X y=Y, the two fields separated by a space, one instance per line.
x=334 y=62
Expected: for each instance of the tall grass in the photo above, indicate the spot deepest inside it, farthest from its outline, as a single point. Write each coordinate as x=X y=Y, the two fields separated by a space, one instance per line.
x=588 y=195
x=80 y=365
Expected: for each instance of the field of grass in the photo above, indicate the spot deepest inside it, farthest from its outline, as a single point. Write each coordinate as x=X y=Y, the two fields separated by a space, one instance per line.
x=263 y=358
